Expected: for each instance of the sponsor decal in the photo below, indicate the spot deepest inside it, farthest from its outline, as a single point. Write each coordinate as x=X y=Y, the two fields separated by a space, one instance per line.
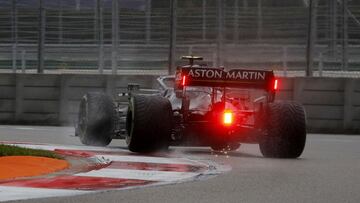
x=217 y=74
x=206 y=73
x=246 y=75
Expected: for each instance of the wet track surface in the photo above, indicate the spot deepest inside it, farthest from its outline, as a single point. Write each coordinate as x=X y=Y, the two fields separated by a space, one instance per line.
x=328 y=171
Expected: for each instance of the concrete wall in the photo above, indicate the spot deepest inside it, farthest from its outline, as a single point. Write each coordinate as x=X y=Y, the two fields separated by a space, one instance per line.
x=54 y=99
x=332 y=104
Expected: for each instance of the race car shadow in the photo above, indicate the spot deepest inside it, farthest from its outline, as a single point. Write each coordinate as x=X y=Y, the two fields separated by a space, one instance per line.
x=220 y=153
x=118 y=147
x=192 y=151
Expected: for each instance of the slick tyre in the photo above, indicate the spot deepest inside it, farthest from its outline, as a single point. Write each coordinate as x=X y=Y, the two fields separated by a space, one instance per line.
x=286 y=127
x=97 y=117
x=148 y=123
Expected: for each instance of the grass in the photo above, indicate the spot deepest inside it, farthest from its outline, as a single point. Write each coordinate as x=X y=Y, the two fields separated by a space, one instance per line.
x=7 y=150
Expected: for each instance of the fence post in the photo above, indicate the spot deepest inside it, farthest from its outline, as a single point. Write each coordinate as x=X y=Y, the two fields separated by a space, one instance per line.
x=260 y=20
x=60 y=22
x=220 y=36
x=110 y=85
x=311 y=41
x=345 y=36
x=19 y=90
x=148 y=21
x=190 y=50
x=348 y=105
x=321 y=64
x=14 y=57
x=100 y=36
x=236 y=21
x=245 y=4
x=41 y=41
x=214 y=60
x=298 y=88
x=14 y=34
x=23 y=61
x=115 y=35
x=172 y=47
x=333 y=26
x=63 y=99
x=78 y=5
x=204 y=20
x=285 y=59
x=95 y=20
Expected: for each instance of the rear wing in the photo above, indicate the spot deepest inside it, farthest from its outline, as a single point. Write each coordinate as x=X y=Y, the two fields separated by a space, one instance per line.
x=213 y=77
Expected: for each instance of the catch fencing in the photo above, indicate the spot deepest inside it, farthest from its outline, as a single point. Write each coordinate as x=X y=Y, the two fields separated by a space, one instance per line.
x=136 y=35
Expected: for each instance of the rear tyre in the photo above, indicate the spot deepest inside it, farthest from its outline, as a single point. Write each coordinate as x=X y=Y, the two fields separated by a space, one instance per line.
x=286 y=127
x=148 y=123
x=97 y=117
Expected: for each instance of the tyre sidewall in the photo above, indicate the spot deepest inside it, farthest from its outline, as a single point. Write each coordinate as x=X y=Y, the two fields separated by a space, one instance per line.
x=100 y=119
x=286 y=130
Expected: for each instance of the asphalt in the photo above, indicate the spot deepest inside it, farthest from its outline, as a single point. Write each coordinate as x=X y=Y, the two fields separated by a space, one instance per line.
x=328 y=171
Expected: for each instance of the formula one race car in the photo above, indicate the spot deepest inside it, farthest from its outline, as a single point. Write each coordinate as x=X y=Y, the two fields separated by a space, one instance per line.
x=199 y=106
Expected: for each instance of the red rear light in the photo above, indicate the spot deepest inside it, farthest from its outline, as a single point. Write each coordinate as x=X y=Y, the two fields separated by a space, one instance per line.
x=275 y=84
x=228 y=117
x=183 y=82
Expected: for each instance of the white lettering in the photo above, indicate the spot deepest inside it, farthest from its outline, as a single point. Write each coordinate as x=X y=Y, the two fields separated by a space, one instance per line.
x=197 y=74
x=245 y=75
x=230 y=75
x=218 y=74
x=191 y=73
x=261 y=75
x=210 y=74
x=238 y=76
x=252 y=74
x=203 y=72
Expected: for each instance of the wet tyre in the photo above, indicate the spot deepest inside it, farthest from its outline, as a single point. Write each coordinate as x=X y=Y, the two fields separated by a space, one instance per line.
x=96 y=121
x=286 y=127
x=149 y=123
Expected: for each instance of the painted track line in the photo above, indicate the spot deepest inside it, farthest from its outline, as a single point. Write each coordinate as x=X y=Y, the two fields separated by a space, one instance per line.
x=78 y=183
x=159 y=176
x=148 y=159
x=156 y=166
x=21 y=193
